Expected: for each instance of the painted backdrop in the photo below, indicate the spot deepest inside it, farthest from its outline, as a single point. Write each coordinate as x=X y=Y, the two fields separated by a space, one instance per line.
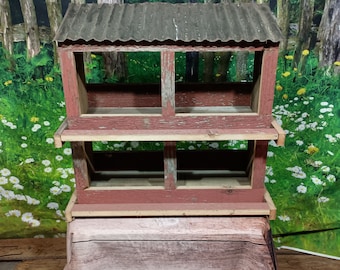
x=303 y=177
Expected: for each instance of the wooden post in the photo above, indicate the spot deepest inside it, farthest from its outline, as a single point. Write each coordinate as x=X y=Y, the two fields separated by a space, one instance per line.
x=73 y=82
x=168 y=83
x=6 y=26
x=268 y=78
x=31 y=27
x=55 y=17
x=170 y=165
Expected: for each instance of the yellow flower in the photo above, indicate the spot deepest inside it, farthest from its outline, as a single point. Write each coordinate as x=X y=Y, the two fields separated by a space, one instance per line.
x=278 y=87
x=34 y=119
x=301 y=91
x=7 y=83
x=305 y=52
x=295 y=69
x=312 y=149
x=49 y=79
x=285 y=96
x=337 y=63
x=286 y=74
x=289 y=57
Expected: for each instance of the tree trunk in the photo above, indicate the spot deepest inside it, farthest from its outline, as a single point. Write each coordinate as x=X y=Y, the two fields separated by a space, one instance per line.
x=78 y=1
x=241 y=66
x=31 y=27
x=6 y=26
x=54 y=15
x=55 y=18
x=223 y=66
x=208 y=70
x=329 y=35
x=283 y=7
x=114 y=62
x=305 y=24
x=241 y=57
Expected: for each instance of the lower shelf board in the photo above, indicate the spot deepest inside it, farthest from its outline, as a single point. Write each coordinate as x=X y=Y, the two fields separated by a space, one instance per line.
x=265 y=208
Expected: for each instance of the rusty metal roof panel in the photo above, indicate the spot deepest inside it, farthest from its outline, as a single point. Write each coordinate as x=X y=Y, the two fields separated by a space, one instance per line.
x=161 y=22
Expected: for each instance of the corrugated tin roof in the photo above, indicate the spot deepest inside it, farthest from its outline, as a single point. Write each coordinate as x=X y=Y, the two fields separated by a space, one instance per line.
x=148 y=22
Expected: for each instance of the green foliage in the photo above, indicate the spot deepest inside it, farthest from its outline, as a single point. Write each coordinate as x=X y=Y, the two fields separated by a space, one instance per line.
x=303 y=177
x=36 y=179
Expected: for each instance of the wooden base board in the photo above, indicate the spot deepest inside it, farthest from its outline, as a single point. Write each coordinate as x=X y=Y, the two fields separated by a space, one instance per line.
x=50 y=253
x=265 y=208
x=170 y=243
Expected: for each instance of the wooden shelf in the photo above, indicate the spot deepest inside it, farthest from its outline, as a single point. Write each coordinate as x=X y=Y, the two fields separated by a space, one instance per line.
x=149 y=133
x=265 y=208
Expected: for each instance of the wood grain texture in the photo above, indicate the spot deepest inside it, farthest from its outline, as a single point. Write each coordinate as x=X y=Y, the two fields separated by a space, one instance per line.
x=170 y=255
x=170 y=243
x=30 y=249
x=42 y=264
x=40 y=255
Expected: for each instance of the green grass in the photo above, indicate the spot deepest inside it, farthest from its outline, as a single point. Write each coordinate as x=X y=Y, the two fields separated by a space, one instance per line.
x=303 y=177
x=36 y=179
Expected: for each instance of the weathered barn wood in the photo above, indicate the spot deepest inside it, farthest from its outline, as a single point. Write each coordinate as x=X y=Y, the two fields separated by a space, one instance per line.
x=168 y=111
x=170 y=243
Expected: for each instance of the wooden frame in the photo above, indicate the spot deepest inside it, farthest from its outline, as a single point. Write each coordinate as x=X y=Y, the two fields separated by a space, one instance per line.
x=169 y=112
x=77 y=99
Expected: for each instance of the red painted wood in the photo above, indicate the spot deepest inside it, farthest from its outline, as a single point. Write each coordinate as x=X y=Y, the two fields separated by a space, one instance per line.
x=176 y=123
x=268 y=78
x=170 y=165
x=70 y=82
x=81 y=173
x=259 y=164
x=124 y=95
x=170 y=196
x=186 y=95
x=168 y=83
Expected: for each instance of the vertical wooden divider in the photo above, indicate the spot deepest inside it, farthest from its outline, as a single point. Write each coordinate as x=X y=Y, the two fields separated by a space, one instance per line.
x=168 y=110
x=168 y=83
x=267 y=85
x=70 y=82
x=170 y=165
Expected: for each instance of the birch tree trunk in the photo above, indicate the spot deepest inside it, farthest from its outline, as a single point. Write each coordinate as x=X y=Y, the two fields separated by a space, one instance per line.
x=329 y=35
x=241 y=59
x=55 y=18
x=78 y=1
x=6 y=26
x=54 y=15
x=303 y=38
x=114 y=62
x=31 y=28
x=283 y=7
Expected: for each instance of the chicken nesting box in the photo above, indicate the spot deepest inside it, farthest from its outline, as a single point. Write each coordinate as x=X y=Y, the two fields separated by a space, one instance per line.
x=171 y=181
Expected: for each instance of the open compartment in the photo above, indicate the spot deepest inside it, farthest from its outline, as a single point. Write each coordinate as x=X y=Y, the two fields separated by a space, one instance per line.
x=174 y=167
x=154 y=81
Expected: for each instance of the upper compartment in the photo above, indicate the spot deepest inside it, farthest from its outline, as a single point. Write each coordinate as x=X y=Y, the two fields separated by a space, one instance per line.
x=169 y=106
